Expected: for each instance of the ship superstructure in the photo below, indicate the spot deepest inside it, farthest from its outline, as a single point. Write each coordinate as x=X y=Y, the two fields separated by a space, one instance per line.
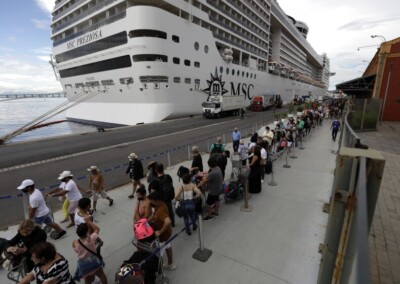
x=124 y=62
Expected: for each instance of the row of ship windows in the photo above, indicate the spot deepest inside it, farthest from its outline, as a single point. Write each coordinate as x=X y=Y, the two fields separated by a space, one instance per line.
x=233 y=72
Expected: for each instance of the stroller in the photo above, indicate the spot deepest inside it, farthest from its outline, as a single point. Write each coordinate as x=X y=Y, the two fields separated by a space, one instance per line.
x=235 y=188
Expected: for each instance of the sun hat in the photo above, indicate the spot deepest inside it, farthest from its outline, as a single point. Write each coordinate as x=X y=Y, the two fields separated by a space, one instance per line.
x=150 y=164
x=25 y=184
x=93 y=168
x=132 y=156
x=65 y=174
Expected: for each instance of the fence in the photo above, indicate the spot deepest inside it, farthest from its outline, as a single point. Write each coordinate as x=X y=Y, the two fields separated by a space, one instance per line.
x=355 y=191
x=365 y=114
x=114 y=174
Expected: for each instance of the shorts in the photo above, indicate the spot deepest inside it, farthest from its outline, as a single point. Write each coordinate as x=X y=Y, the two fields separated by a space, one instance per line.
x=163 y=248
x=46 y=219
x=101 y=193
x=72 y=206
x=212 y=199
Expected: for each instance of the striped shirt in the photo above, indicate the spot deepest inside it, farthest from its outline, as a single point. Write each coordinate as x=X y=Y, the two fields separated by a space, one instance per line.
x=59 y=270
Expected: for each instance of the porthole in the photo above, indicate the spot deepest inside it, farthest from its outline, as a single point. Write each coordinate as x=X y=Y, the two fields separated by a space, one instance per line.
x=251 y=75
x=233 y=72
x=238 y=73
x=227 y=71
x=196 y=45
x=247 y=74
x=206 y=48
x=242 y=73
x=221 y=70
x=255 y=75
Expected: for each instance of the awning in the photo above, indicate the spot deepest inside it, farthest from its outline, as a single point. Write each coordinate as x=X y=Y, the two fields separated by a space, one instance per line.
x=362 y=87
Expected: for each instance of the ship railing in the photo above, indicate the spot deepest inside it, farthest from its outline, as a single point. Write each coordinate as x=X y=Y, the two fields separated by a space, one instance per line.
x=59 y=4
x=355 y=190
x=67 y=10
x=254 y=50
x=83 y=15
x=111 y=19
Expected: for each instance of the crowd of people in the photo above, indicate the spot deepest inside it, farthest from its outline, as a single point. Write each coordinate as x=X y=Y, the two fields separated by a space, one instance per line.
x=155 y=206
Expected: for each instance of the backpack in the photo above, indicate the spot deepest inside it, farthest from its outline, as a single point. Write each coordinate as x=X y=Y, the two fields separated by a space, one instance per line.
x=182 y=171
x=217 y=148
x=167 y=188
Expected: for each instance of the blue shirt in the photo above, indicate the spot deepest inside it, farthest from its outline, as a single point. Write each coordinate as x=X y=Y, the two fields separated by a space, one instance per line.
x=236 y=135
x=335 y=125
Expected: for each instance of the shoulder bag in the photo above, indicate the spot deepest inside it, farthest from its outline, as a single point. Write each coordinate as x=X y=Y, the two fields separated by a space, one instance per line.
x=92 y=252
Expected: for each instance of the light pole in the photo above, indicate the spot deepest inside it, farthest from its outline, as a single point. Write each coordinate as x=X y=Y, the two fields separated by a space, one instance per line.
x=381 y=37
x=360 y=47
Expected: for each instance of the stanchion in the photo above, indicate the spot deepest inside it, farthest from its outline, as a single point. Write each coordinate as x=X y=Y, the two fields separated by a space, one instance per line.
x=188 y=146
x=286 y=165
x=301 y=142
x=223 y=138
x=246 y=207
x=272 y=182
x=293 y=156
x=208 y=146
x=201 y=254
x=169 y=160
x=25 y=205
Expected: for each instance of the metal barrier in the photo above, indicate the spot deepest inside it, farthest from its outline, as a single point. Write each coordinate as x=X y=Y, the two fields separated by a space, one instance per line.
x=356 y=184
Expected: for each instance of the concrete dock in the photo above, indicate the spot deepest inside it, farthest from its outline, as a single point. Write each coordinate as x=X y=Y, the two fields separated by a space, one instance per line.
x=275 y=243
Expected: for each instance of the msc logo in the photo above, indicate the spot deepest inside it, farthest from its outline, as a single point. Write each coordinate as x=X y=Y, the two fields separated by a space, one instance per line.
x=215 y=85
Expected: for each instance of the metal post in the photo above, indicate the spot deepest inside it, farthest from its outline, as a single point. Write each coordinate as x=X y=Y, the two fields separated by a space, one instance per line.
x=202 y=253
x=301 y=142
x=286 y=165
x=208 y=146
x=272 y=182
x=188 y=146
x=223 y=138
x=25 y=205
x=293 y=155
x=169 y=159
x=246 y=207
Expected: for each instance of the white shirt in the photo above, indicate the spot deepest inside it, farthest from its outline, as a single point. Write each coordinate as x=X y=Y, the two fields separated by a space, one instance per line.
x=78 y=219
x=263 y=154
x=73 y=191
x=36 y=200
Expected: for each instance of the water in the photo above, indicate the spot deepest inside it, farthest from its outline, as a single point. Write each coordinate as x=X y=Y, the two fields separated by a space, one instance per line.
x=18 y=112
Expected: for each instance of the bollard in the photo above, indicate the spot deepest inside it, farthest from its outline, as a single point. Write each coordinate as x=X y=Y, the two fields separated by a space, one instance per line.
x=246 y=207
x=301 y=143
x=169 y=160
x=286 y=165
x=25 y=205
x=188 y=152
x=272 y=182
x=293 y=156
x=201 y=254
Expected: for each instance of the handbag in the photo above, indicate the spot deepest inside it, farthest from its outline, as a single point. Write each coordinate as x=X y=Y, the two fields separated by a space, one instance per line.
x=92 y=252
x=178 y=209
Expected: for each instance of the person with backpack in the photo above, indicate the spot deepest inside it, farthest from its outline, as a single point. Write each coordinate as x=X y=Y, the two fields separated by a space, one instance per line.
x=217 y=147
x=167 y=190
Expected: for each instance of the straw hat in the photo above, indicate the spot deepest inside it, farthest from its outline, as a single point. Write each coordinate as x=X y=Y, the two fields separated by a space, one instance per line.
x=93 y=168
x=132 y=156
x=65 y=174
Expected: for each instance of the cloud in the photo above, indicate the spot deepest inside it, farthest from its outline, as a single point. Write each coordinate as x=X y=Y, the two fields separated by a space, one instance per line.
x=42 y=50
x=11 y=39
x=46 y=6
x=363 y=24
x=41 y=24
x=43 y=58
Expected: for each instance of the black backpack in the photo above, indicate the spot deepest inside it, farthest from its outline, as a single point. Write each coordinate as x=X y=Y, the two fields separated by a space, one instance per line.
x=182 y=171
x=167 y=187
x=217 y=148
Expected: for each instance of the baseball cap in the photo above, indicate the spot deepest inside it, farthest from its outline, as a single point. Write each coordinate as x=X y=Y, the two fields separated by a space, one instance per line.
x=25 y=184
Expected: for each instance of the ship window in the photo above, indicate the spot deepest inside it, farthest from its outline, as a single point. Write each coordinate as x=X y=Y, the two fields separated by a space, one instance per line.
x=242 y=73
x=108 y=82
x=196 y=45
x=251 y=76
x=188 y=80
x=227 y=71
x=221 y=70
x=127 y=80
x=206 y=48
x=92 y=84
x=100 y=66
x=147 y=33
x=176 y=60
x=197 y=64
x=187 y=62
x=68 y=86
x=197 y=81
x=247 y=74
x=233 y=72
x=153 y=79
x=79 y=85
x=238 y=73
x=175 y=38
x=150 y=57
x=255 y=75
x=177 y=79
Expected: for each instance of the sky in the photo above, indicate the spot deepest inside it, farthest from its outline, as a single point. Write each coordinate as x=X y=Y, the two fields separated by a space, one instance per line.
x=337 y=28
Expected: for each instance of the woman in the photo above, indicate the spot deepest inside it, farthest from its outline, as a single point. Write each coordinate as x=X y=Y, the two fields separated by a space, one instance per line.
x=96 y=184
x=50 y=266
x=143 y=207
x=83 y=213
x=243 y=152
x=197 y=163
x=90 y=263
x=151 y=174
x=255 y=171
x=186 y=194
x=27 y=237
x=135 y=170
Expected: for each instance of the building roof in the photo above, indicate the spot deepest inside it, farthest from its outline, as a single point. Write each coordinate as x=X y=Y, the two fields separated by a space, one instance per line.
x=360 y=87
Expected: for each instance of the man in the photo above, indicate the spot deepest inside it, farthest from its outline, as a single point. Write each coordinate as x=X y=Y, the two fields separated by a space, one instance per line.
x=167 y=190
x=335 y=128
x=217 y=148
x=161 y=223
x=268 y=135
x=236 y=136
x=38 y=210
x=214 y=181
x=135 y=170
x=70 y=189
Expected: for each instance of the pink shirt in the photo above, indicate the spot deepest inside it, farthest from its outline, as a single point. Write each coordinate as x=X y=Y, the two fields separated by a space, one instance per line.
x=89 y=243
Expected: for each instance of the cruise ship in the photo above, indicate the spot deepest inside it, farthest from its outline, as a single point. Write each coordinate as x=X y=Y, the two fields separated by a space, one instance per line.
x=129 y=62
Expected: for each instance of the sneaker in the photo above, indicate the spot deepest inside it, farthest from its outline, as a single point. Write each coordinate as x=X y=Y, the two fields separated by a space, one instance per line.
x=169 y=266
x=188 y=232
x=194 y=227
x=130 y=196
x=59 y=235
x=111 y=202
x=208 y=218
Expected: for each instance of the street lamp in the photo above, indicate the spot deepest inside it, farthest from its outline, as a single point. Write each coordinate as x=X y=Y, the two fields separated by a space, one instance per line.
x=381 y=37
x=358 y=48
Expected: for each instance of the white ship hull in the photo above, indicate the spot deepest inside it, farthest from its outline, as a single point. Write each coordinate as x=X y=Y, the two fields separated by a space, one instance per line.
x=139 y=102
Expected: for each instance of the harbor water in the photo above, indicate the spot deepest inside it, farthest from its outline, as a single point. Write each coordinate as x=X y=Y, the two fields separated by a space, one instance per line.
x=15 y=113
